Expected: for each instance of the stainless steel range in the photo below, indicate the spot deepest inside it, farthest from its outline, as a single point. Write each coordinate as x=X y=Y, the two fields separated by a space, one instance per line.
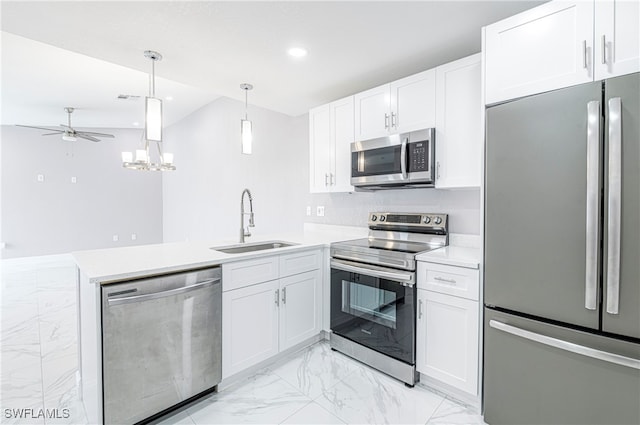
x=373 y=293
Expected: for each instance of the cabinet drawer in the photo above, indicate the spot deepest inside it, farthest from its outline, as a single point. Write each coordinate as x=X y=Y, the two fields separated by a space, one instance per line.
x=245 y=273
x=299 y=262
x=458 y=281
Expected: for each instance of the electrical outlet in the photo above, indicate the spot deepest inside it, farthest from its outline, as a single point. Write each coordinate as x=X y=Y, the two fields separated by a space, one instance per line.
x=308 y=210
x=40 y=178
x=134 y=236
x=74 y=179
x=320 y=211
x=115 y=238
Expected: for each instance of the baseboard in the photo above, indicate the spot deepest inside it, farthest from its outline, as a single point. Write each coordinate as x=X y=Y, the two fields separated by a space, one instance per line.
x=451 y=392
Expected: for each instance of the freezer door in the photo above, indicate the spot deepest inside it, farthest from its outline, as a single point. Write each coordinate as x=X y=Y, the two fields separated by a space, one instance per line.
x=539 y=240
x=536 y=373
x=621 y=263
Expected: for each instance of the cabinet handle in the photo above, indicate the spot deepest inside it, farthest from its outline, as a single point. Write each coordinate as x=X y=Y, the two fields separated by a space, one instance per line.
x=386 y=121
x=584 y=54
x=277 y=300
x=438 y=170
x=419 y=309
x=326 y=179
x=604 y=49
x=284 y=296
x=393 y=120
x=442 y=279
x=332 y=179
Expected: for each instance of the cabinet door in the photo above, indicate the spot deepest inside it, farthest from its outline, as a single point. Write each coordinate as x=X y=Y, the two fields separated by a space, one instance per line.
x=542 y=49
x=342 y=135
x=413 y=102
x=459 y=123
x=617 y=38
x=372 y=113
x=300 y=308
x=249 y=326
x=447 y=340
x=320 y=148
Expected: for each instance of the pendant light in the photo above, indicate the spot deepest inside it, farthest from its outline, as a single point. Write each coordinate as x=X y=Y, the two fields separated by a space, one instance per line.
x=152 y=129
x=245 y=124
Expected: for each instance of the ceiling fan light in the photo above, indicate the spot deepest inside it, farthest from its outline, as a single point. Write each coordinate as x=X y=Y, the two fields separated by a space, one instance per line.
x=68 y=138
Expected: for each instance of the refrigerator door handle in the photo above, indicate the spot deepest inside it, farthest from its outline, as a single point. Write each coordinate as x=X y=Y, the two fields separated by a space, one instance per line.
x=613 y=204
x=593 y=205
x=567 y=346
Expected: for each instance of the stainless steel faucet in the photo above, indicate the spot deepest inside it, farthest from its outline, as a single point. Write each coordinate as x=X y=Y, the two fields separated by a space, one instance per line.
x=245 y=233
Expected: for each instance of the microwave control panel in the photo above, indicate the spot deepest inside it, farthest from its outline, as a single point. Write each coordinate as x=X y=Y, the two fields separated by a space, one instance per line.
x=418 y=157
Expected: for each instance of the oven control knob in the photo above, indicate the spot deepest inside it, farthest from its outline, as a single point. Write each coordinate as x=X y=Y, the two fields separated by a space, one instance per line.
x=383 y=218
x=374 y=217
x=427 y=220
x=438 y=220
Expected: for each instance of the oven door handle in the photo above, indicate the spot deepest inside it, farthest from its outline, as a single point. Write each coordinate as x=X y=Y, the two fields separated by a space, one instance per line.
x=406 y=279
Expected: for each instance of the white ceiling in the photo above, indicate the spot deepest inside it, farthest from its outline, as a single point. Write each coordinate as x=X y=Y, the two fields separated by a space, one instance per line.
x=85 y=53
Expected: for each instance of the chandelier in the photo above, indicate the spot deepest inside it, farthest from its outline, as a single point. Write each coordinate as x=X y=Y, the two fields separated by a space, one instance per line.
x=152 y=130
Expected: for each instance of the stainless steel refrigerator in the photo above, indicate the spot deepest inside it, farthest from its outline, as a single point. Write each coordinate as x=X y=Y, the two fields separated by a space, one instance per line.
x=562 y=257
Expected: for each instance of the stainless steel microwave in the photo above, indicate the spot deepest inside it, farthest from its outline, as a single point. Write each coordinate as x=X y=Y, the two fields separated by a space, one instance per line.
x=395 y=161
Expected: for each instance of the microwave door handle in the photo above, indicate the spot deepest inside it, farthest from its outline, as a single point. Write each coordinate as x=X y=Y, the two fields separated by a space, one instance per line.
x=403 y=158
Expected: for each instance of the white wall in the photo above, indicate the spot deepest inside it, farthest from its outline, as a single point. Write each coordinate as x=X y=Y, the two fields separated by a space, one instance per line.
x=57 y=216
x=201 y=199
x=352 y=209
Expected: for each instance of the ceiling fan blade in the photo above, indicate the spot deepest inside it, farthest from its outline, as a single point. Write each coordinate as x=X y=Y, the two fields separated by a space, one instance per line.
x=40 y=128
x=66 y=126
x=53 y=134
x=95 y=134
x=84 y=136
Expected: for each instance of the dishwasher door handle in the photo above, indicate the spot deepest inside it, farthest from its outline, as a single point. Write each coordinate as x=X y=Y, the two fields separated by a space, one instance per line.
x=162 y=294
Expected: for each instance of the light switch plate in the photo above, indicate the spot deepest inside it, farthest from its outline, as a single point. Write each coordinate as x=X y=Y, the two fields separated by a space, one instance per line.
x=308 y=210
x=320 y=211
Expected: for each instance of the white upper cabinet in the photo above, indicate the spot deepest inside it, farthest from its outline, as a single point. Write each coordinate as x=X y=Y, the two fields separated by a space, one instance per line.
x=459 y=123
x=545 y=48
x=617 y=38
x=413 y=105
x=330 y=137
x=372 y=114
x=341 y=139
x=561 y=44
x=403 y=105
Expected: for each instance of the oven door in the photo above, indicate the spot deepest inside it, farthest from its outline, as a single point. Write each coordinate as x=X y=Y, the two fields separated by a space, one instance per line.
x=375 y=307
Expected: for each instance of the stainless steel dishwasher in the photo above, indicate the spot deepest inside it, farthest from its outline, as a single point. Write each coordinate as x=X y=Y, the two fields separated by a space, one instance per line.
x=161 y=343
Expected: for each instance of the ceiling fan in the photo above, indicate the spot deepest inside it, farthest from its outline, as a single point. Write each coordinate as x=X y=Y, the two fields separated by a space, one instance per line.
x=69 y=133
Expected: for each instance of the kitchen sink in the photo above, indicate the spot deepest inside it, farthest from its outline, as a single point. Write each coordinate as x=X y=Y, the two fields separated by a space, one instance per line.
x=250 y=247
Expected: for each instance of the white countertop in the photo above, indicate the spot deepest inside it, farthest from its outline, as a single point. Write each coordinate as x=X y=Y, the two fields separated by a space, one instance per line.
x=452 y=255
x=113 y=264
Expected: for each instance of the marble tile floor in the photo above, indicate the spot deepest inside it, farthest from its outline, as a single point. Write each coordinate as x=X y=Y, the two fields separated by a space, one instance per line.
x=316 y=385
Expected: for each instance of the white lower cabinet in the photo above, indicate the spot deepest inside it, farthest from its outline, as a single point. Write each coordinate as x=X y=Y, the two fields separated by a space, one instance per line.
x=448 y=327
x=250 y=326
x=259 y=320
x=300 y=308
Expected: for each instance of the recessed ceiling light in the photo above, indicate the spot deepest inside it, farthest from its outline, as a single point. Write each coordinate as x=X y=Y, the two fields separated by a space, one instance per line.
x=169 y=98
x=297 y=52
x=136 y=123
